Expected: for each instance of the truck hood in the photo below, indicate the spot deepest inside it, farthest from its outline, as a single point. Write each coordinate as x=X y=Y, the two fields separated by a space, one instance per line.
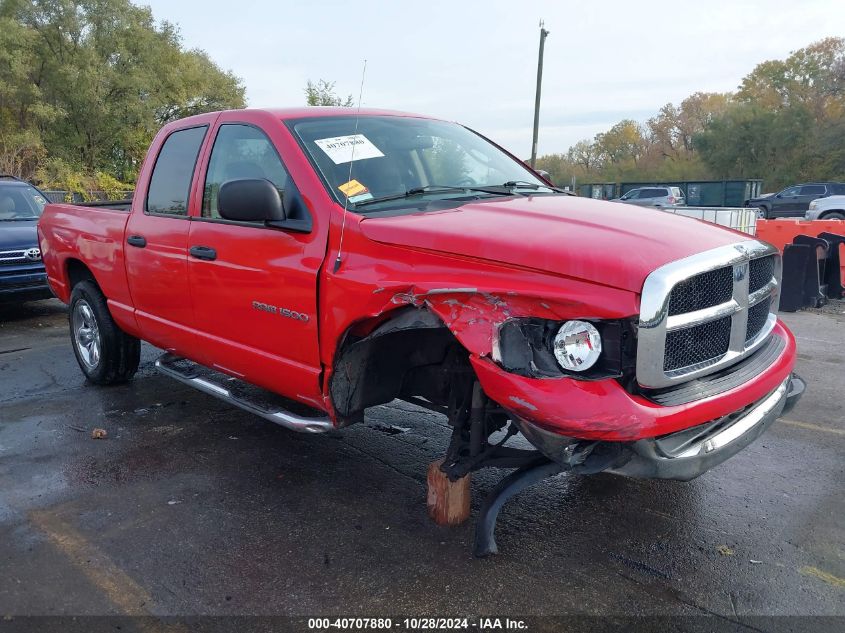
x=601 y=242
x=16 y=236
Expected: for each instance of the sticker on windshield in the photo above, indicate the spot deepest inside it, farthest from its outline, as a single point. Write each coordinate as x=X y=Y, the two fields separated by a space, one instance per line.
x=39 y=200
x=352 y=188
x=340 y=148
x=355 y=191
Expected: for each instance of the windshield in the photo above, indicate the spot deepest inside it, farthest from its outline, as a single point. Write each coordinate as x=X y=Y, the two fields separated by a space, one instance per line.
x=20 y=202
x=396 y=158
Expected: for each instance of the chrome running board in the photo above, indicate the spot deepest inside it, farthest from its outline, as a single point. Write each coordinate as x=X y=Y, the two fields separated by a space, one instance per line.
x=243 y=395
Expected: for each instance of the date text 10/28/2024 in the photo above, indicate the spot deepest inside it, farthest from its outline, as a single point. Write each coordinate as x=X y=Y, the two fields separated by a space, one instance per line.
x=418 y=624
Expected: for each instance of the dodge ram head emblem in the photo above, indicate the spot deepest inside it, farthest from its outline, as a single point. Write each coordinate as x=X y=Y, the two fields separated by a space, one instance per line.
x=33 y=254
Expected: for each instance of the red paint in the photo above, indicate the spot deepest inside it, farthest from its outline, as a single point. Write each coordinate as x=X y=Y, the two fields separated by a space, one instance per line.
x=473 y=266
x=604 y=410
x=609 y=244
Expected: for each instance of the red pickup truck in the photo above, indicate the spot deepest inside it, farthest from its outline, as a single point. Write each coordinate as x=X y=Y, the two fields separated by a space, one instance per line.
x=307 y=264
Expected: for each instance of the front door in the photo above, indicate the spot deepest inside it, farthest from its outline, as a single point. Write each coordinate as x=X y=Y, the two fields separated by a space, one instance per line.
x=784 y=203
x=254 y=287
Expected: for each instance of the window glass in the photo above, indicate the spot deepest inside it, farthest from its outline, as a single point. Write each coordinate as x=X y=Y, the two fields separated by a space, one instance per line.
x=171 y=180
x=676 y=191
x=382 y=156
x=20 y=202
x=792 y=191
x=653 y=193
x=632 y=195
x=812 y=190
x=240 y=151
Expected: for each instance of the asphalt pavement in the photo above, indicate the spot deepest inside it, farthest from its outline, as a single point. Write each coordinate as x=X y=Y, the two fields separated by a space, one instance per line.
x=192 y=507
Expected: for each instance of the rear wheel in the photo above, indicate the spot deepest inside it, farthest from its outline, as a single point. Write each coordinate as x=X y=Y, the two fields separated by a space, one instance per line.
x=105 y=353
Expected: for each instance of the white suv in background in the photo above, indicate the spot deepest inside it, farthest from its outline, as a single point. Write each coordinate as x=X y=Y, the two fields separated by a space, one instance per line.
x=830 y=208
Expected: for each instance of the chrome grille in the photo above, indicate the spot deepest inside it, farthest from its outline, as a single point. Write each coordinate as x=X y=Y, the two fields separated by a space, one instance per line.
x=705 y=312
x=760 y=272
x=702 y=291
x=697 y=344
x=757 y=317
x=13 y=257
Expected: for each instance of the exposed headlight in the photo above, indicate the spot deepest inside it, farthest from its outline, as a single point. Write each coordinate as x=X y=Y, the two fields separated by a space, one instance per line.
x=813 y=205
x=577 y=345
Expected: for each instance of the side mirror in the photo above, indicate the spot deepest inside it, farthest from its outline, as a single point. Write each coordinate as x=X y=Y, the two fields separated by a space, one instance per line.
x=250 y=200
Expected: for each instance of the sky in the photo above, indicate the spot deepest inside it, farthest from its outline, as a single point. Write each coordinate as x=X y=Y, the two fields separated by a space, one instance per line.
x=476 y=62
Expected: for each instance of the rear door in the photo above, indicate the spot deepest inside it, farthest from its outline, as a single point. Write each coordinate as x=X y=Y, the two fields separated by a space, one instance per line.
x=156 y=243
x=807 y=194
x=650 y=196
x=254 y=287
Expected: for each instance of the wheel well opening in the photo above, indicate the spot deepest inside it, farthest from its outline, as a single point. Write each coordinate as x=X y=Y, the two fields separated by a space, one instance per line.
x=77 y=271
x=411 y=355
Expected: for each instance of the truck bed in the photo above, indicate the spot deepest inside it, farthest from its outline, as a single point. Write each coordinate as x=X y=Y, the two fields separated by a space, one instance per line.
x=115 y=205
x=90 y=232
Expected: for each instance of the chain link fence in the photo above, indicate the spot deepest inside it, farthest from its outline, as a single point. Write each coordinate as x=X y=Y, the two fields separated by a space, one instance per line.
x=76 y=197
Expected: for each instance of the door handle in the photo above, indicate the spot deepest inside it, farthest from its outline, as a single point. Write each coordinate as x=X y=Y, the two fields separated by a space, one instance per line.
x=136 y=240
x=203 y=252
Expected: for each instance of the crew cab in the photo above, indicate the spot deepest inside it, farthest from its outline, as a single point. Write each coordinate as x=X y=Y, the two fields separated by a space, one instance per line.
x=22 y=274
x=307 y=264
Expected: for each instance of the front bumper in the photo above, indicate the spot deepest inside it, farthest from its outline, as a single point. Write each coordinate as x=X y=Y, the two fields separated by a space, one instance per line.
x=19 y=293
x=649 y=461
x=25 y=282
x=686 y=454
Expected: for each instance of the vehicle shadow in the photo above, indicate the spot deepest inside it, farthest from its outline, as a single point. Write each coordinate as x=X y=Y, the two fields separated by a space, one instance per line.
x=12 y=312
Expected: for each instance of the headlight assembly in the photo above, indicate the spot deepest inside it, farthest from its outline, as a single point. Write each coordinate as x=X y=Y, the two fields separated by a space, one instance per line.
x=586 y=350
x=577 y=345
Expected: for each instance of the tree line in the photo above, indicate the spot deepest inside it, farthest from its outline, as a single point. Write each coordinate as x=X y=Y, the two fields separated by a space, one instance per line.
x=86 y=84
x=785 y=124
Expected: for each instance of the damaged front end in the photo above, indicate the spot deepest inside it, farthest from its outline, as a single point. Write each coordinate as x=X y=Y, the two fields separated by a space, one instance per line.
x=682 y=455
x=424 y=349
x=497 y=364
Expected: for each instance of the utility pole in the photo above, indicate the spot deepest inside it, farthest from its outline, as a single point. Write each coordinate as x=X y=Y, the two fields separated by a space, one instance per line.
x=543 y=34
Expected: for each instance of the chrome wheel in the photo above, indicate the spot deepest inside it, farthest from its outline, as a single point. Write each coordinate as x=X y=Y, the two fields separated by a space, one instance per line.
x=86 y=334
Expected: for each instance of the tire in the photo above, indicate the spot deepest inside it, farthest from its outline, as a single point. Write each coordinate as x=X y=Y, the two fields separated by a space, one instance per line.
x=762 y=213
x=106 y=354
x=836 y=215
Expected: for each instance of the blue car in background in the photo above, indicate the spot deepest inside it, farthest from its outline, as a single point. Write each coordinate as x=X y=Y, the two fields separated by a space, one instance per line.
x=22 y=274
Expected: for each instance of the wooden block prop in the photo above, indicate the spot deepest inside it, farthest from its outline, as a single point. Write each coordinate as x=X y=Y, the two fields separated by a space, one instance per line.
x=448 y=501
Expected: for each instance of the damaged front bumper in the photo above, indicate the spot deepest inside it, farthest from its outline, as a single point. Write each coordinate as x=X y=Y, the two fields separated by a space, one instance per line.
x=682 y=455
